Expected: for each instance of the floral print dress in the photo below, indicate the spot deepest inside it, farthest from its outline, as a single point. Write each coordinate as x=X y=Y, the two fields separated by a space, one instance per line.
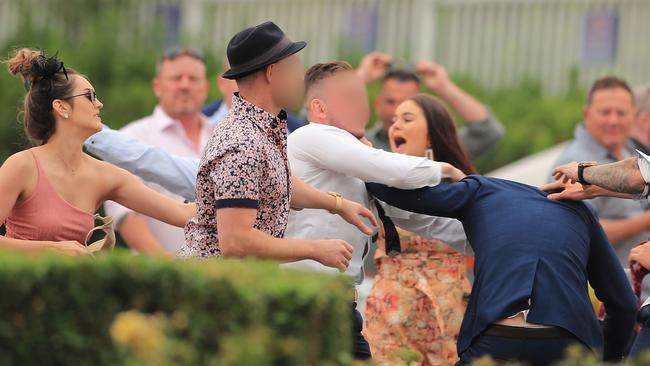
x=416 y=305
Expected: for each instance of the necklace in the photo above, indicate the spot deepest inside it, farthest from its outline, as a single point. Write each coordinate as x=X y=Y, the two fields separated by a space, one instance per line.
x=72 y=170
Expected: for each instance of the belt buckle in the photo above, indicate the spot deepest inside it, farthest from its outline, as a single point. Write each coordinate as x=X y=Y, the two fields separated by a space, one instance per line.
x=355 y=294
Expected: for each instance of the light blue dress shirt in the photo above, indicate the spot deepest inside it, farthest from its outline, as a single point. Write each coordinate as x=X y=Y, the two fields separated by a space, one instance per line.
x=174 y=173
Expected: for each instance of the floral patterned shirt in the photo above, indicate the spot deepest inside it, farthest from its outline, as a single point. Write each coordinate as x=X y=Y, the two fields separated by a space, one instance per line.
x=244 y=165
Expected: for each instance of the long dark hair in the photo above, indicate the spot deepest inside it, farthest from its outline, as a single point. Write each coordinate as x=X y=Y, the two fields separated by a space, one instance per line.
x=442 y=133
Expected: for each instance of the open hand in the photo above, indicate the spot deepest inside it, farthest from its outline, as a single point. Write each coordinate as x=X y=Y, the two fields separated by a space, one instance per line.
x=450 y=173
x=352 y=212
x=374 y=65
x=435 y=76
x=567 y=172
x=569 y=191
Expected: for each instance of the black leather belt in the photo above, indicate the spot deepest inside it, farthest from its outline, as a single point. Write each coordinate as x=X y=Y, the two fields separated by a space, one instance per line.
x=505 y=331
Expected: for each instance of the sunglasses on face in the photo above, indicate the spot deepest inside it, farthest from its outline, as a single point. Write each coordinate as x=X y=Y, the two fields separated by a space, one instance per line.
x=91 y=95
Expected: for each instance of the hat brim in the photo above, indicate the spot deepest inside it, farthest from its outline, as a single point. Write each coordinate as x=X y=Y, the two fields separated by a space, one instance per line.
x=237 y=73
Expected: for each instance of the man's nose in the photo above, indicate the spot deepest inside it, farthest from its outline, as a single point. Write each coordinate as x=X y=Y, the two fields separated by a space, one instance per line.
x=185 y=82
x=614 y=119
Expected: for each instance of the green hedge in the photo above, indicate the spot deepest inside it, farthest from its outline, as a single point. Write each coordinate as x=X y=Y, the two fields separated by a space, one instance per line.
x=122 y=309
x=575 y=356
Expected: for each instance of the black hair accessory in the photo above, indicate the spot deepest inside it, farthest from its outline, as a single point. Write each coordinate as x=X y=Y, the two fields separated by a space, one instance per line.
x=46 y=68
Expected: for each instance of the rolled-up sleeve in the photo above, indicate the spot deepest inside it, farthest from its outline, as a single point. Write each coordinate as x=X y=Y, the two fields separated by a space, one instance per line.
x=644 y=165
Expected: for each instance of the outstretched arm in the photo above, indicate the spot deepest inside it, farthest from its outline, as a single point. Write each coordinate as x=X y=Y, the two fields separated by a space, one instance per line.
x=447 y=199
x=481 y=131
x=174 y=173
x=127 y=190
x=612 y=287
x=623 y=179
x=623 y=176
x=577 y=192
x=305 y=196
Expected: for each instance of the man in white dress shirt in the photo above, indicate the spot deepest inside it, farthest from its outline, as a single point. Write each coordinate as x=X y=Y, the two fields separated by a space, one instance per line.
x=328 y=154
x=178 y=127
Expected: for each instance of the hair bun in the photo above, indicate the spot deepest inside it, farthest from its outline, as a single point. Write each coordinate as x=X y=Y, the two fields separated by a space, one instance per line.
x=34 y=66
x=46 y=67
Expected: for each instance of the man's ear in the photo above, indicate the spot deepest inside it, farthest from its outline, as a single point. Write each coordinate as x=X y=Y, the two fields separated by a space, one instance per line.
x=317 y=107
x=269 y=72
x=585 y=112
x=155 y=85
x=376 y=101
x=644 y=120
x=221 y=82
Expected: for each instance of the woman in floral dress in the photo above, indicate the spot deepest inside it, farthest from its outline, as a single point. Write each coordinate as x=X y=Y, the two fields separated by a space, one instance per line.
x=415 y=308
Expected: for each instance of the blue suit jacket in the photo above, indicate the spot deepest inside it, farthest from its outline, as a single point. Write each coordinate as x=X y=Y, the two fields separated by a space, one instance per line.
x=293 y=122
x=529 y=247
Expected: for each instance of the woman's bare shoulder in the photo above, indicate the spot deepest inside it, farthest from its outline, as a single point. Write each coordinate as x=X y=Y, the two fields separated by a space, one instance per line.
x=20 y=163
x=108 y=175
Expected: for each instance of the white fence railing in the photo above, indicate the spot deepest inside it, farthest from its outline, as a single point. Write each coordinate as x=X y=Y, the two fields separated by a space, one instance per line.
x=496 y=42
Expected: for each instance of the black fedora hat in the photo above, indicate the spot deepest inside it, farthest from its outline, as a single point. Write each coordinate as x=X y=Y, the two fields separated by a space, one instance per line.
x=257 y=47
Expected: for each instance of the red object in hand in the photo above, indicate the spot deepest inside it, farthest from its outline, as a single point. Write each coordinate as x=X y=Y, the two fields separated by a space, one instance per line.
x=638 y=273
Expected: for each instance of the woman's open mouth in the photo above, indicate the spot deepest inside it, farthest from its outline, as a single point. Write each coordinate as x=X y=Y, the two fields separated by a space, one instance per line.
x=398 y=142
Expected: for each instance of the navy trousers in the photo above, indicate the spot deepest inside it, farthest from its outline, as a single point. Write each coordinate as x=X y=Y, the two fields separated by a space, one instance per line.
x=535 y=352
x=642 y=343
x=361 y=348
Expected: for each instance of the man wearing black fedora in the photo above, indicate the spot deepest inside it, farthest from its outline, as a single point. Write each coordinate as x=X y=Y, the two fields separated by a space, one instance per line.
x=244 y=188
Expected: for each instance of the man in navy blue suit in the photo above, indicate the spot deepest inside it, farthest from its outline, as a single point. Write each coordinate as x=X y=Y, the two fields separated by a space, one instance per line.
x=534 y=257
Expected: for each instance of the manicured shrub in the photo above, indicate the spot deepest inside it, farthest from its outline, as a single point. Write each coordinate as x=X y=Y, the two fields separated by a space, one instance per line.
x=122 y=309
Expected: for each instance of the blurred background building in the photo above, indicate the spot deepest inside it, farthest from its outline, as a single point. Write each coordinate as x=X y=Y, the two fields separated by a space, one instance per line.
x=530 y=60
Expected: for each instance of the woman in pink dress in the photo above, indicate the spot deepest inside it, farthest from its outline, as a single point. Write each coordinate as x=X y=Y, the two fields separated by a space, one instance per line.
x=50 y=192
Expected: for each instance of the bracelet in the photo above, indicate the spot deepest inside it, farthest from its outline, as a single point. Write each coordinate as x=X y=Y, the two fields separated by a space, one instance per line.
x=339 y=202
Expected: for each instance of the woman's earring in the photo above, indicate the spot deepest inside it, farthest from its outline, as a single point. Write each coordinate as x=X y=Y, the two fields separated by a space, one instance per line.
x=428 y=153
x=66 y=116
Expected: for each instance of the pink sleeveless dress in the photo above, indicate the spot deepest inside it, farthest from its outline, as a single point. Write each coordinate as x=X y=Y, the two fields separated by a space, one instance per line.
x=46 y=216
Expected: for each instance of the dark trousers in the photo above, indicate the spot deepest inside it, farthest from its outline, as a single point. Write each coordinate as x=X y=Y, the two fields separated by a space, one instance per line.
x=642 y=343
x=535 y=352
x=361 y=349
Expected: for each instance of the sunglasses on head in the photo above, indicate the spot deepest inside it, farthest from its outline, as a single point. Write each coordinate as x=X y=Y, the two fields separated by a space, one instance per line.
x=90 y=94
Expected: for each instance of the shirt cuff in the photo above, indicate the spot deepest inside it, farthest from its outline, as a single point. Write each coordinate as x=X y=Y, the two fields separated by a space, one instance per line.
x=237 y=203
x=644 y=165
x=436 y=177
